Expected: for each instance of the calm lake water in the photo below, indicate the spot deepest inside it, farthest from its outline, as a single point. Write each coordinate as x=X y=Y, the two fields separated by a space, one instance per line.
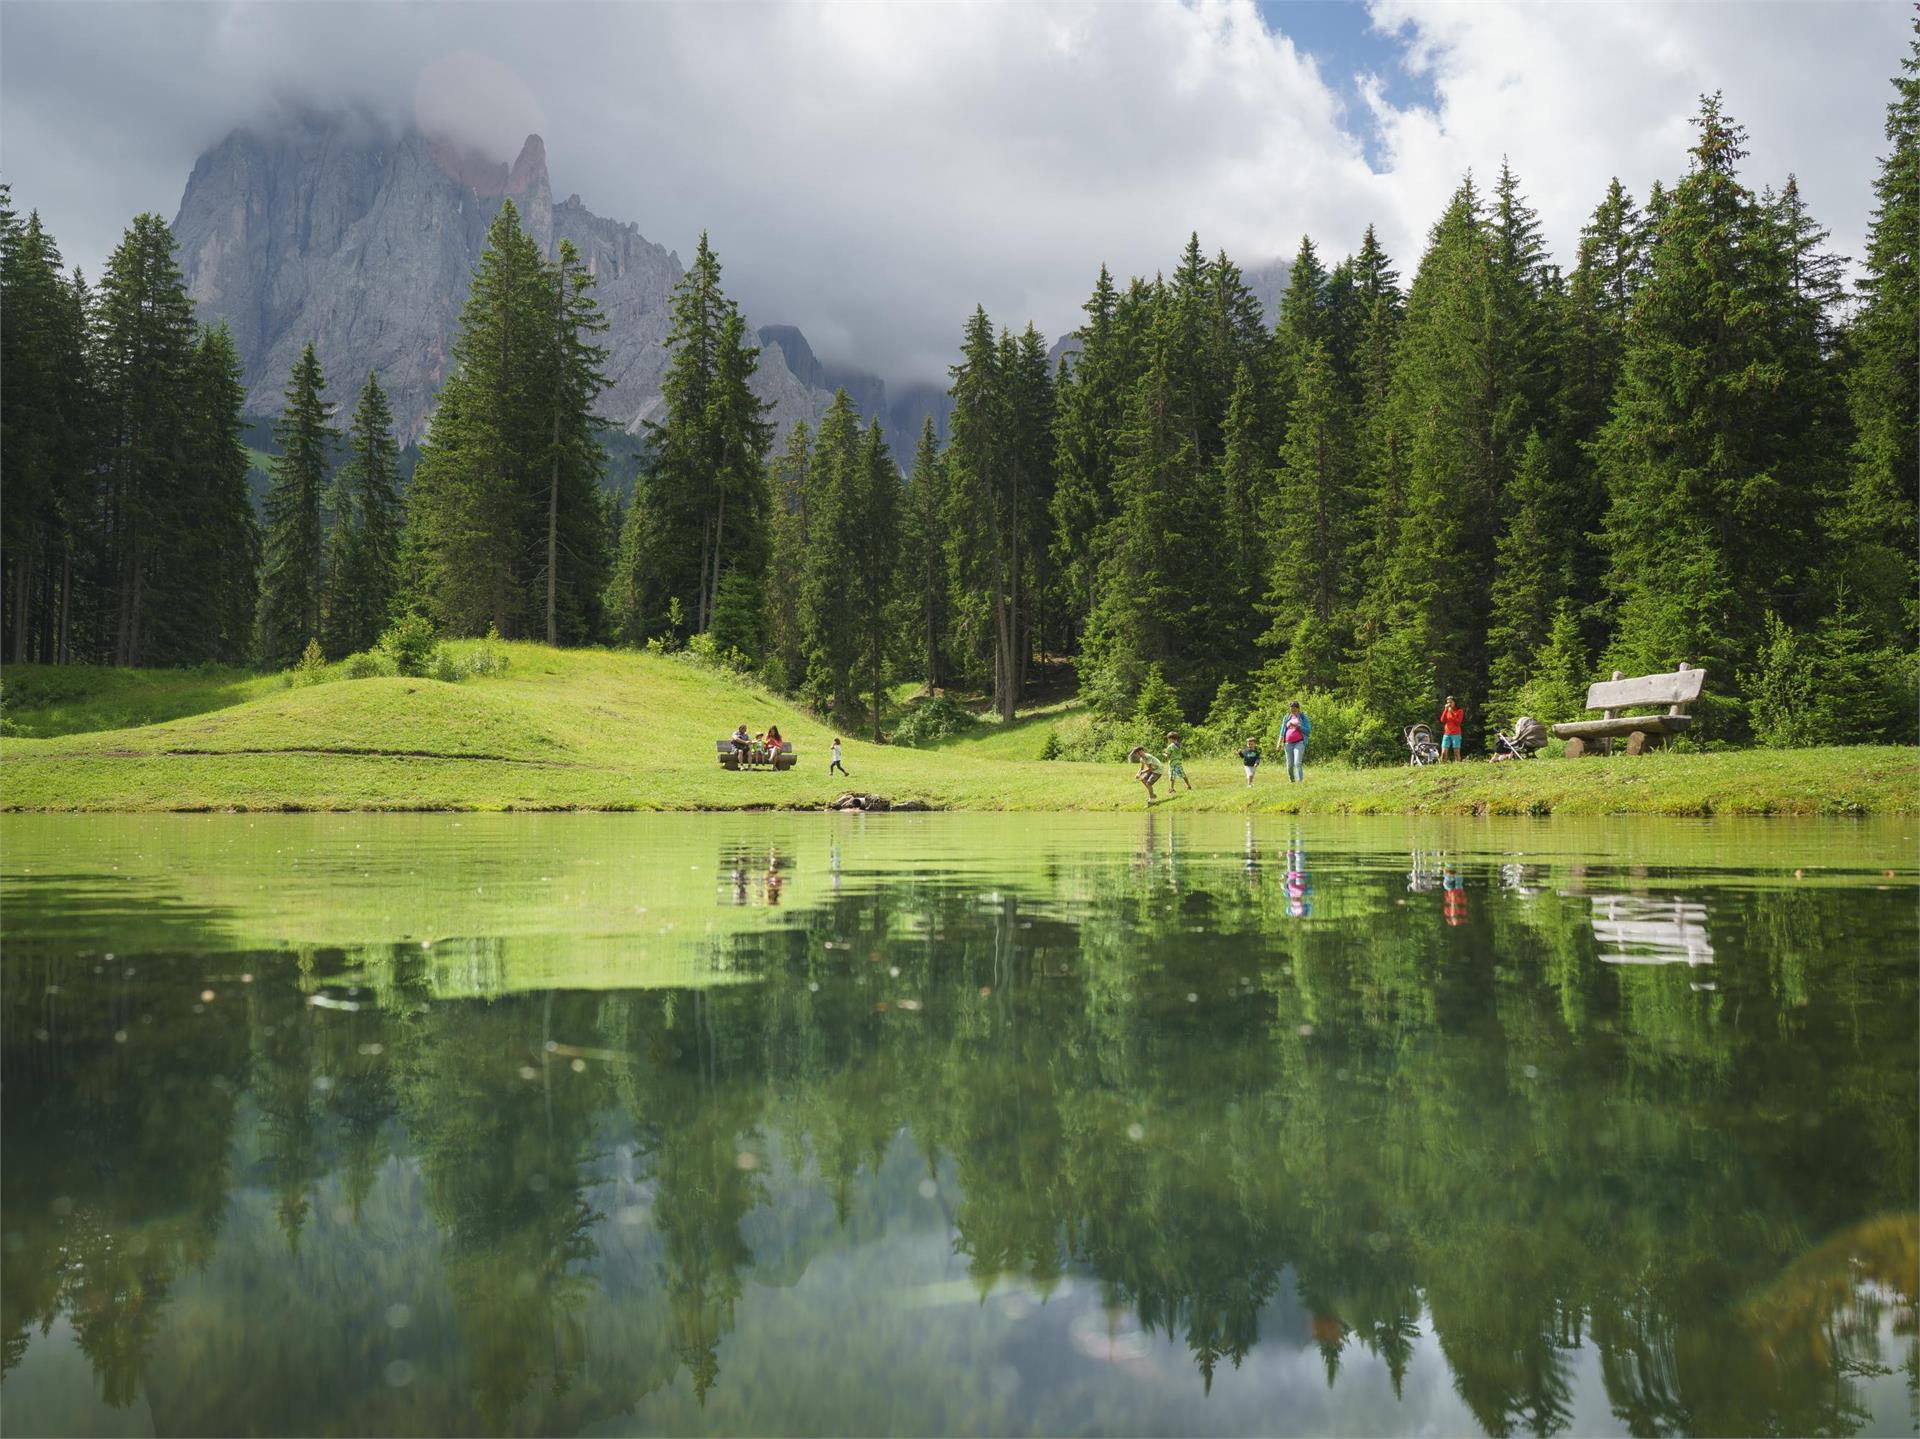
x=946 y=1124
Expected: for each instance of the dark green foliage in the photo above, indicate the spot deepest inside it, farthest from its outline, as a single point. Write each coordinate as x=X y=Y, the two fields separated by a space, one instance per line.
x=999 y=493
x=292 y=575
x=505 y=525
x=931 y=720
x=1713 y=458
x=46 y=424
x=926 y=578
x=409 y=644
x=1828 y=686
x=790 y=480
x=833 y=634
x=143 y=357
x=363 y=547
x=1533 y=571
x=1313 y=524
x=1156 y=712
x=700 y=506
x=227 y=541
x=1882 y=495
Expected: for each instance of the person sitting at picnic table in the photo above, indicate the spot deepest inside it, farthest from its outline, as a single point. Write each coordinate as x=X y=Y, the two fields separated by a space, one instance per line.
x=743 y=745
x=774 y=742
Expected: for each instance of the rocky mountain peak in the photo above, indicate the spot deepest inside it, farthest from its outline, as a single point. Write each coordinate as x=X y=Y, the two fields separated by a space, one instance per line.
x=530 y=170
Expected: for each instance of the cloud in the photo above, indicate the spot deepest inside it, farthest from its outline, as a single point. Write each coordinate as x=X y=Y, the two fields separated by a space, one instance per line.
x=870 y=172
x=1575 y=94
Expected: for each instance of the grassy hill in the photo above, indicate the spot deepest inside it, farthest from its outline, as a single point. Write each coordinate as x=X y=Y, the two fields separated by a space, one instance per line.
x=598 y=729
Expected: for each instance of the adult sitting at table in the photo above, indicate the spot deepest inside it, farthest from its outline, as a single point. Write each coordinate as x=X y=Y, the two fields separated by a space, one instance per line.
x=743 y=745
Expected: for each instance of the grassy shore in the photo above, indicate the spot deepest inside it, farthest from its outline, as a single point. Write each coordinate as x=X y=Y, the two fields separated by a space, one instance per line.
x=595 y=729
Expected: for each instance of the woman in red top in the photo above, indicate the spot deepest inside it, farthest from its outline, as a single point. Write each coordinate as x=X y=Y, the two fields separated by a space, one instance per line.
x=1450 y=717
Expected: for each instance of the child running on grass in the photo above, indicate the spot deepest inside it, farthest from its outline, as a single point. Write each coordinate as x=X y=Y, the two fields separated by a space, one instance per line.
x=1249 y=758
x=1149 y=771
x=836 y=765
x=1176 y=762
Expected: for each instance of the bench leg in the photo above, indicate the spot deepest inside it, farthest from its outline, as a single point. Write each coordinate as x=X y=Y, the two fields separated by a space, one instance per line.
x=1576 y=748
x=1637 y=742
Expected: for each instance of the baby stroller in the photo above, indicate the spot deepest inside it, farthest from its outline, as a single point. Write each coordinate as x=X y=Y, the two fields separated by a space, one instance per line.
x=1420 y=746
x=1529 y=737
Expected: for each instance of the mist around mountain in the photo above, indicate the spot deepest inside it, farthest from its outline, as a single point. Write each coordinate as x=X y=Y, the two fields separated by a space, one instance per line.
x=332 y=228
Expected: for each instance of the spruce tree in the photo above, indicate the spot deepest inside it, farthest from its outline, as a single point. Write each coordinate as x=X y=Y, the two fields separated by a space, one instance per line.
x=873 y=543
x=1443 y=415
x=1882 y=497
x=1533 y=574
x=837 y=482
x=701 y=501
x=475 y=510
x=226 y=541
x=574 y=377
x=45 y=440
x=925 y=525
x=1091 y=393
x=791 y=483
x=1312 y=522
x=1711 y=456
x=291 y=579
x=363 y=548
x=145 y=337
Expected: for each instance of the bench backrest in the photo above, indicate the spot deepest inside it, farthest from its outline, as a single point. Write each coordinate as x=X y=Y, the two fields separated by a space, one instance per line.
x=1677 y=687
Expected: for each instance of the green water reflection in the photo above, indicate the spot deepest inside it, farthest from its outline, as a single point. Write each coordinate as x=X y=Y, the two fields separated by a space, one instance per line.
x=788 y=1124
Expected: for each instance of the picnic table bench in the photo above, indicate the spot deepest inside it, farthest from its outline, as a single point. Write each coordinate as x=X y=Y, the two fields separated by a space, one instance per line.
x=1675 y=690
x=730 y=757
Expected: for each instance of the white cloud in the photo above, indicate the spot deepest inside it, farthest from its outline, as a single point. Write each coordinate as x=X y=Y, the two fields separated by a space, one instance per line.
x=870 y=172
x=1575 y=94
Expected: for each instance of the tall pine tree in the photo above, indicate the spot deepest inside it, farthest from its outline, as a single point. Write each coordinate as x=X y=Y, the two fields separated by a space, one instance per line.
x=292 y=585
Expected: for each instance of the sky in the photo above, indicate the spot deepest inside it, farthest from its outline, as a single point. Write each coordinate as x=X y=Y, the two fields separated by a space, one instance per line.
x=871 y=171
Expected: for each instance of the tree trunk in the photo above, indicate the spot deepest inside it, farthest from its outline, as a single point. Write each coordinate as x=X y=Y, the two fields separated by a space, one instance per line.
x=22 y=582
x=135 y=603
x=553 y=534
x=63 y=643
x=719 y=532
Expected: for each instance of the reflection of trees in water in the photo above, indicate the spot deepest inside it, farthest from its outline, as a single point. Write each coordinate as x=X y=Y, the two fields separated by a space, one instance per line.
x=1477 y=1128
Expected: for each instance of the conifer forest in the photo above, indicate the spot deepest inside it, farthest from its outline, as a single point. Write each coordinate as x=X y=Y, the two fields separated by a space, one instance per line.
x=1484 y=470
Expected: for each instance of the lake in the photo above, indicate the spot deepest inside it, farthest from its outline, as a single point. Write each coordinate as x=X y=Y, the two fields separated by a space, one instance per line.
x=796 y=1124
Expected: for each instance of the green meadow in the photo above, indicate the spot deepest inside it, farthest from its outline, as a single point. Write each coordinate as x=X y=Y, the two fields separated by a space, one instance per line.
x=615 y=730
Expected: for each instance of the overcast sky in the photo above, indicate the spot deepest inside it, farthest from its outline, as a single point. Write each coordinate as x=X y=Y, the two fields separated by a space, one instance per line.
x=871 y=171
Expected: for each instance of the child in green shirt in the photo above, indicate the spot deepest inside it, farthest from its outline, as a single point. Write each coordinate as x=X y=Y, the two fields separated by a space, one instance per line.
x=1176 y=763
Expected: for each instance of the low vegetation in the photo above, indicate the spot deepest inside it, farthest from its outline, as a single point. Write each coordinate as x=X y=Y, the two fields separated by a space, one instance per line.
x=527 y=726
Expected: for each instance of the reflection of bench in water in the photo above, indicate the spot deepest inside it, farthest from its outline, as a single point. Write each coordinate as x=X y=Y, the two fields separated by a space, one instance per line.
x=1651 y=929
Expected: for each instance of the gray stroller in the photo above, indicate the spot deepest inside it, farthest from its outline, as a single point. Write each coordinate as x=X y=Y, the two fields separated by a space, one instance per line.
x=1529 y=737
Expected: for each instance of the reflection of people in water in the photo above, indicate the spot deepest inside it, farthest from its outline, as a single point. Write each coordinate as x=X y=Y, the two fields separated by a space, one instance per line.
x=1253 y=853
x=1299 y=884
x=774 y=881
x=1453 y=902
x=833 y=867
x=740 y=879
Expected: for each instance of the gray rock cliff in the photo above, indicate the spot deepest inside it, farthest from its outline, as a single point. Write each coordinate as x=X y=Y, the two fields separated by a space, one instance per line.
x=325 y=227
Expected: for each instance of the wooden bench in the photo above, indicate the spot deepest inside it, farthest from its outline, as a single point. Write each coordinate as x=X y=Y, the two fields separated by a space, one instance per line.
x=1676 y=691
x=730 y=757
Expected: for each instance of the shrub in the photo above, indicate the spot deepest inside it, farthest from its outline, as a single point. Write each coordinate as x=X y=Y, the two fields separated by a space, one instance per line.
x=1156 y=711
x=366 y=665
x=409 y=644
x=486 y=658
x=311 y=668
x=710 y=653
x=1827 y=687
x=932 y=720
x=1050 y=747
x=443 y=666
